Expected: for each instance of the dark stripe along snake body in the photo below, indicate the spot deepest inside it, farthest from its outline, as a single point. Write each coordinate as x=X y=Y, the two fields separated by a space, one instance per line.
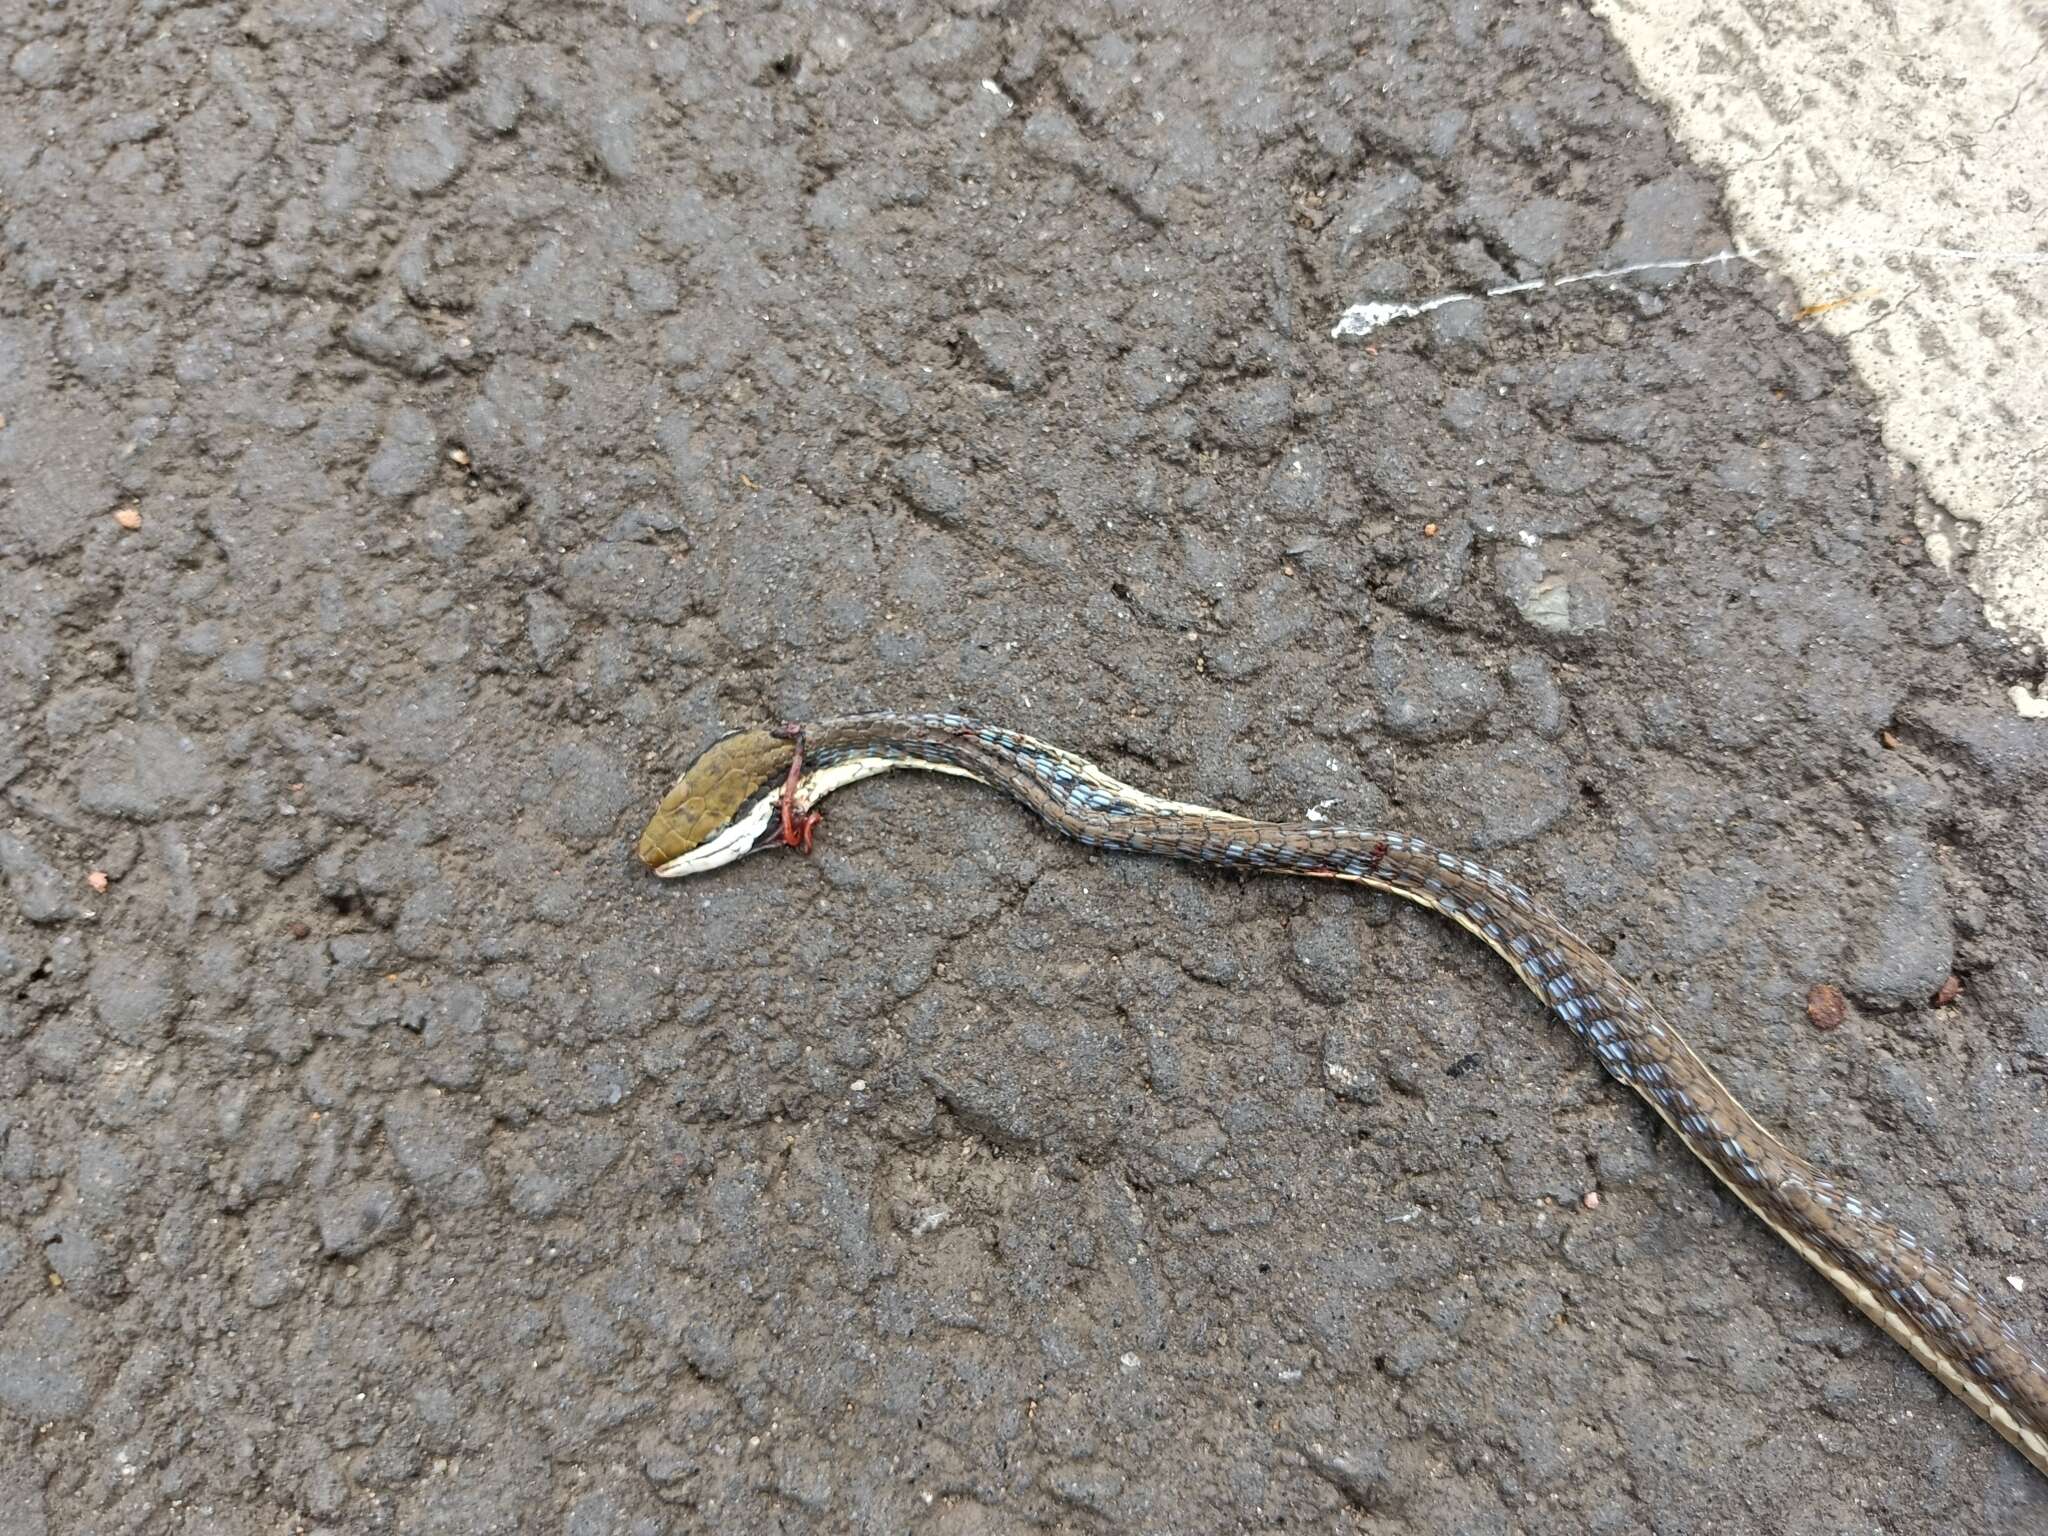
x=1925 y=1304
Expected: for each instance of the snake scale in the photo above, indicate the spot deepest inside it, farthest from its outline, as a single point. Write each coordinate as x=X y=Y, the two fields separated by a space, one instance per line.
x=757 y=789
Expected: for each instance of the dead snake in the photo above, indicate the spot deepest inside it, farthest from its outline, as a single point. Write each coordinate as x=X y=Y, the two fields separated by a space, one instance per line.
x=756 y=789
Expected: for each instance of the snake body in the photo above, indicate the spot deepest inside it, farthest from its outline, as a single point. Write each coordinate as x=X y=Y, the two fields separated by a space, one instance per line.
x=725 y=806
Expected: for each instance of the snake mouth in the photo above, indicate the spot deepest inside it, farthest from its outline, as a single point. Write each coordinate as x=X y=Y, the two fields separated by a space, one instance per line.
x=755 y=827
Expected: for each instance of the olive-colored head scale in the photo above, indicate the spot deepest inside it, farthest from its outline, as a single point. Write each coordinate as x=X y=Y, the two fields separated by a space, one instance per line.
x=722 y=808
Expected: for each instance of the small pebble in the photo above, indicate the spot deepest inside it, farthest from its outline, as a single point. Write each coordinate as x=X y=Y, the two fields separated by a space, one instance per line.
x=457 y=456
x=2017 y=1282
x=1826 y=1007
x=1948 y=992
x=97 y=880
x=1592 y=1201
x=300 y=930
x=129 y=518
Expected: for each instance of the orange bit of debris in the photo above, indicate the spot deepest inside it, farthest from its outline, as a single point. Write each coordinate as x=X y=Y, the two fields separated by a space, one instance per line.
x=97 y=879
x=1948 y=992
x=1847 y=299
x=1429 y=530
x=1891 y=742
x=129 y=518
x=1826 y=1007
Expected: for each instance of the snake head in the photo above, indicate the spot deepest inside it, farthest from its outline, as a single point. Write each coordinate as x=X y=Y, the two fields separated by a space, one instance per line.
x=722 y=808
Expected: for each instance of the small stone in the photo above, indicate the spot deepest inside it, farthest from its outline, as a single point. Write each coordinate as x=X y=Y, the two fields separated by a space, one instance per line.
x=410 y=732
x=549 y=630
x=1947 y=992
x=246 y=665
x=146 y=772
x=43 y=1361
x=614 y=137
x=1905 y=946
x=1098 y=1492
x=1538 y=232
x=129 y=518
x=1665 y=220
x=405 y=458
x=1536 y=697
x=1345 y=1069
x=1907 y=1094
x=1360 y=1474
x=1378 y=208
x=354 y=1220
x=1592 y=1200
x=1149 y=377
x=1435 y=575
x=1009 y=353
x=1326 y=956
x=355 y=951
x=1256 y=414
x=97 y=879
x=300 y=929
x=1503 y=792
x=427 y=152
x=1426 y=694
x=934 y=489
x=86 y=1262
x=438 y=1150
x=1826 y=1008
x=33 y=882
x=1558 y=601
x=46 y=63
x=281 y=854
x=274 y=1156
x=135 y=993
x=425 y=921
x=588 y=791
x=389 y=334
x=1183 y=1154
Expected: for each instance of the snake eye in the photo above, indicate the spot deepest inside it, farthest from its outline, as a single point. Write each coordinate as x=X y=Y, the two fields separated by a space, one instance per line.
x=721 y=809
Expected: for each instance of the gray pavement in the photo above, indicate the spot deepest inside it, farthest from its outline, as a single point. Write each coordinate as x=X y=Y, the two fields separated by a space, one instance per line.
x=421 y=429
x=1888 y=159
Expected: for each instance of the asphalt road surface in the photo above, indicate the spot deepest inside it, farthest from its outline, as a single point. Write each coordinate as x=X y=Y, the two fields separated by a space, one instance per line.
x=423 y=427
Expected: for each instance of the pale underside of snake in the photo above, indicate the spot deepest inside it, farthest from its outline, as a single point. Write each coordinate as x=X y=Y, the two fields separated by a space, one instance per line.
x=757 y=789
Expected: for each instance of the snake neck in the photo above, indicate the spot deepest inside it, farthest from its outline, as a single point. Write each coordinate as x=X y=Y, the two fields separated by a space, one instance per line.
x=1065 y=790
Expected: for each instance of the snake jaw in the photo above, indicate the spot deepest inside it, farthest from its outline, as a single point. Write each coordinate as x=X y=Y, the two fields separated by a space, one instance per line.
x=752 y=831
x=723 y=808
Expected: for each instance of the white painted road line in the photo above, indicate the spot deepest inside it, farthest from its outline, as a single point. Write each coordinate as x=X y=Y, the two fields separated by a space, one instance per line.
x=1894 y=154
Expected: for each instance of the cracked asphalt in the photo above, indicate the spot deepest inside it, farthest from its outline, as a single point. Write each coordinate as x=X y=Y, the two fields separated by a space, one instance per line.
x=422 y=428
